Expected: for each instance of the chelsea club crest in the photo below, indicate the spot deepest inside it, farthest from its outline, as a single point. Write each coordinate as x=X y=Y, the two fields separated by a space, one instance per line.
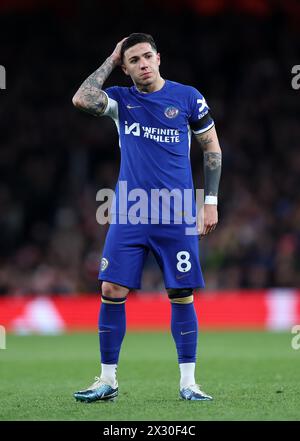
x=171 y=112
x=104 y=264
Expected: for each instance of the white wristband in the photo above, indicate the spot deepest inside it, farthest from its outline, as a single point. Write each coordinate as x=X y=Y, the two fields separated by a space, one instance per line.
x=211 y=200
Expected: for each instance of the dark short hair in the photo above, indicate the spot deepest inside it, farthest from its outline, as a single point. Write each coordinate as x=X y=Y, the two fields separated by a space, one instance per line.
x=137 y=38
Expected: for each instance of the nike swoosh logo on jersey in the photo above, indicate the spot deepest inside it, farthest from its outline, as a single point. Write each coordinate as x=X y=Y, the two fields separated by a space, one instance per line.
x=188 y=332
x=132 y=107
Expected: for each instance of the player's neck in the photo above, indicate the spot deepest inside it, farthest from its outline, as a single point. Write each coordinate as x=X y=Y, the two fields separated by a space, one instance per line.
x=153 y=87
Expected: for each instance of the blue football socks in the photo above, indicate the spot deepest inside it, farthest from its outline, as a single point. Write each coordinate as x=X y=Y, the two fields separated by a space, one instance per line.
x=112 y=328
x=184 y=327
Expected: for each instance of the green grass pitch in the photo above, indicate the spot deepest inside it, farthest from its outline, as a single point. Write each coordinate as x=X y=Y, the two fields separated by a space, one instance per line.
x=251 y=375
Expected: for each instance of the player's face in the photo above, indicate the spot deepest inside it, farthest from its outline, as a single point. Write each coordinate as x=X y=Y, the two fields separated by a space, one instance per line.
x=141 y=62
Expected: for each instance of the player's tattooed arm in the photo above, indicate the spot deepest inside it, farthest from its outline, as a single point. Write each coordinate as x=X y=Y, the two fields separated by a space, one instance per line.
x=90 y=96
x=212 y=173
x=212 y=161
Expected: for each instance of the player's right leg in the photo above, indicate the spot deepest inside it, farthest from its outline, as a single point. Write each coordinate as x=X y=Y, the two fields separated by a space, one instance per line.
x=121 y=269
x=112 y=326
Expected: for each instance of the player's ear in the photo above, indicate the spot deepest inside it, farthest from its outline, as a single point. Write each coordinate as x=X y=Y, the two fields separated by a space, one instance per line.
x=158 y=58
x=124 y=69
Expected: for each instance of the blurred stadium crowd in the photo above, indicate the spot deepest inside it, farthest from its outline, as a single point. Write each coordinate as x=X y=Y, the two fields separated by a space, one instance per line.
x=54 y=159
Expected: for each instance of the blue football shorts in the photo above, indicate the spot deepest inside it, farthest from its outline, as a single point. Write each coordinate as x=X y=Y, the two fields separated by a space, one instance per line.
x=127 y=246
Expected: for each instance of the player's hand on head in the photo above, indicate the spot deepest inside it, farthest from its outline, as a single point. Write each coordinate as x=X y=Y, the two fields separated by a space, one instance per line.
x=209 y=220
x=116 y=55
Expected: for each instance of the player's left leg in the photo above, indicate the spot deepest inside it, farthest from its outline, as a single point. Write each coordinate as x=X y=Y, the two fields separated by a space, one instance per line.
x=178 y=256
x=184 y=327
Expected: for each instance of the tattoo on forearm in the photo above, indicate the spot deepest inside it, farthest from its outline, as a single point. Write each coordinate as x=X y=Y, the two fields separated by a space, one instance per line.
x=212 y=172
x=212 y=160
x=204 y=140
x=91 y=97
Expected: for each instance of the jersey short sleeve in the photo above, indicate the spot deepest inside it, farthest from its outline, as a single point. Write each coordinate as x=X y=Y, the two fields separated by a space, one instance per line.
x=112 y=95
x=200 y=118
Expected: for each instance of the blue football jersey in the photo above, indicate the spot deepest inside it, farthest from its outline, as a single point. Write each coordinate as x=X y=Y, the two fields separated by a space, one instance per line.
x=155 y=138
